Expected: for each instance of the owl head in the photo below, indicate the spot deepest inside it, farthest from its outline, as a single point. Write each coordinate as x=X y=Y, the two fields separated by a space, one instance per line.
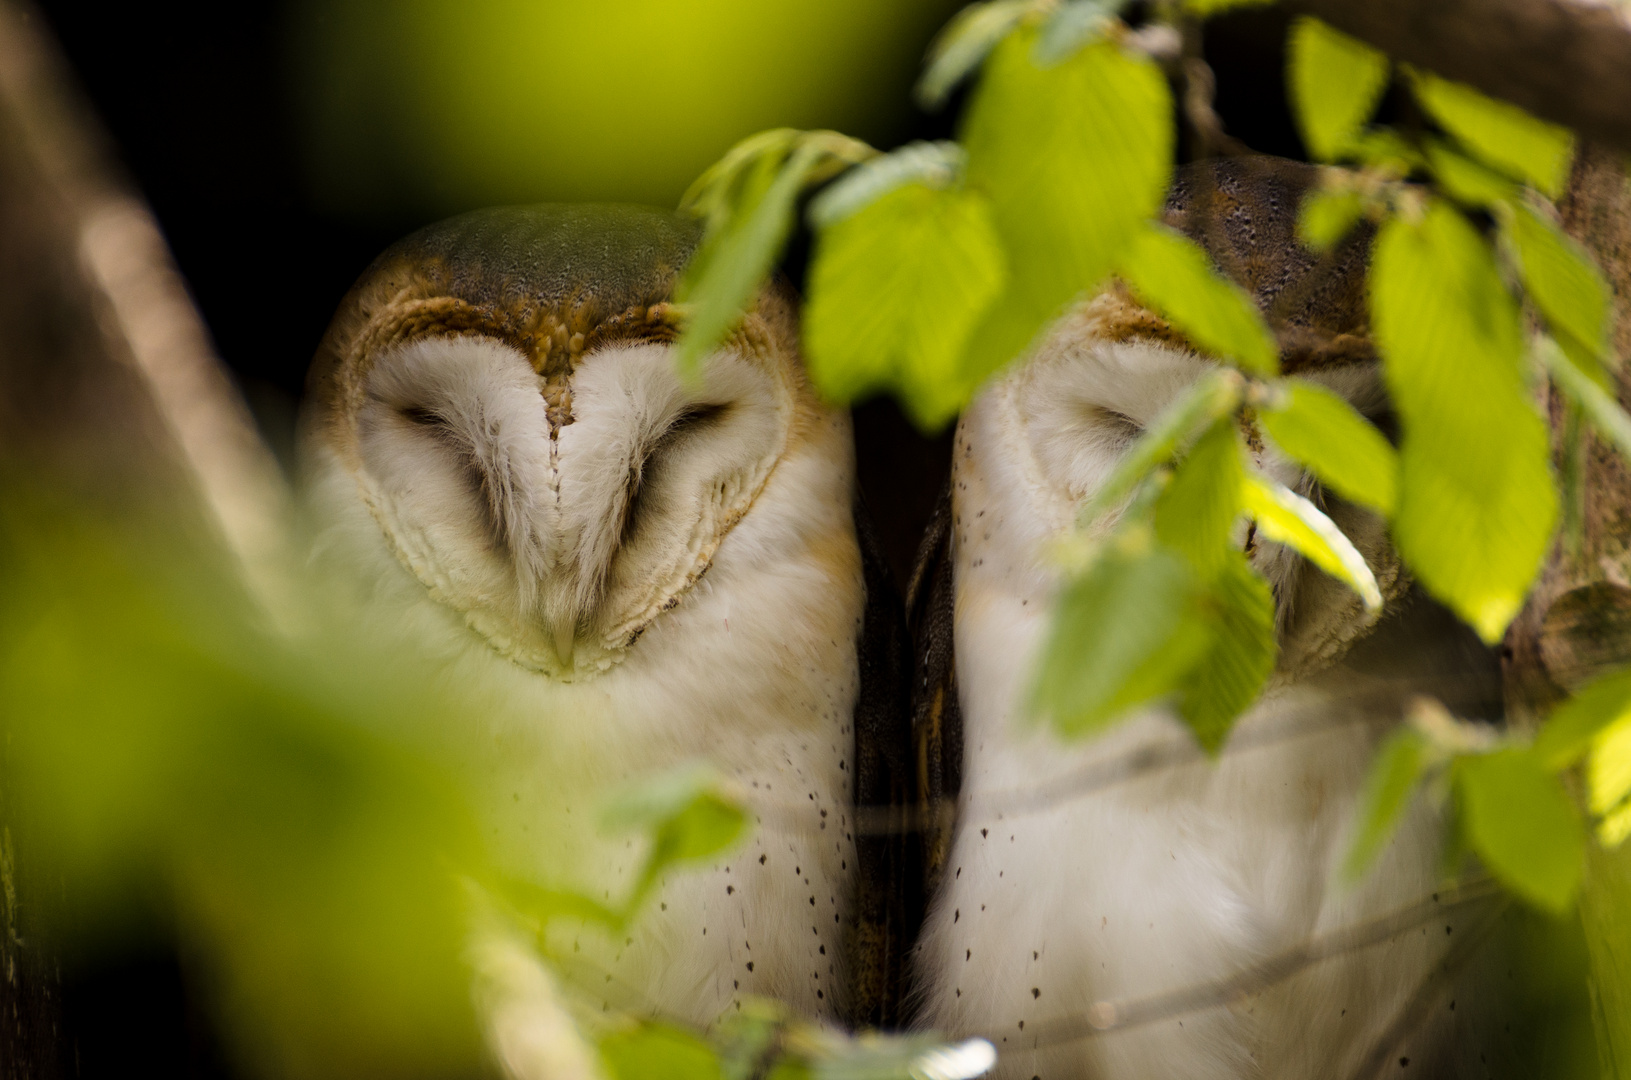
x=501 y=390
x=1111 y=366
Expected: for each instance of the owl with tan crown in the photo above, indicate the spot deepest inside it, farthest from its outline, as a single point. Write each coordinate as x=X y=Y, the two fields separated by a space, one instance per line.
x=620 y=570
x=1125 y=906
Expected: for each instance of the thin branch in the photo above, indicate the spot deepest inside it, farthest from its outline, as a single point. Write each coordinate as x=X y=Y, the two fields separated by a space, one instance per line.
x=1108 y=1016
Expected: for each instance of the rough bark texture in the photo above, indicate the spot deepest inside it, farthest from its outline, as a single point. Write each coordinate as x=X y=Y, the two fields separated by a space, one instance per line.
x=111 y=400
x=1577 y=622
x=1568 y=61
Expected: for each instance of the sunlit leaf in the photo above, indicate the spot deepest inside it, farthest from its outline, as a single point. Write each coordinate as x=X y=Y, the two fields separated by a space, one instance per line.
x=1519 y=821
x=1123 y=634
x=895 y=289
x=1328 y=215
x=1196 y=513
x=1317 y=428
x=658 y=1050
x=1499 y=132
x=931 y=164
x=1394 y=774
x=1601 y=408
x=1208 y=398
x=1287 y=518
x=1608 y=777
x=1238 y=609
x=1568 y=732
x=1477 y=503
x=1562 y=280
x=1074 y=158
x=749 y=211
x=1335 y=81
x=1465 y=180
x=964 y=44
x=1172 y=274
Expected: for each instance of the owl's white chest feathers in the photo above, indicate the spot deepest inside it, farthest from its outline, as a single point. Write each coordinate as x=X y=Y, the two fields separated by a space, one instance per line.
x=754 y=671
x=1126 y=870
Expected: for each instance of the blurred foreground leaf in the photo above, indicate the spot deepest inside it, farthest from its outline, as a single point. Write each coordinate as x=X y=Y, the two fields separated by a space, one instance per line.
x=1560 y=277
x=1335 y=83
x=747 y=202
x=1320 y=430
x=1123 y=635
x=1519 y=820
x=1238 y=609
x=688 y=815
x=1328 y=215
x=1477 y=503
x=164 y=746
x=659 y=1050
x=1074 y=157
x=1394 y=774
x=1172 y=274
x=963 y=45
x=895 y=290
x=1498 y=132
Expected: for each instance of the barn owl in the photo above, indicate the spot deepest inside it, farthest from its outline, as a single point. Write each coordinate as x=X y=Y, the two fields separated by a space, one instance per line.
x=619 y=571
x=1123 y=906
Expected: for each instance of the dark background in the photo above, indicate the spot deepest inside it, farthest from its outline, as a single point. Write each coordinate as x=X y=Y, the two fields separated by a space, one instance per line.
x=197 y=101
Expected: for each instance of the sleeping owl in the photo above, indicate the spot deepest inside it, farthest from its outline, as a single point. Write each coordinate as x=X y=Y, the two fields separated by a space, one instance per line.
x=1124 y=906
x=619 y=571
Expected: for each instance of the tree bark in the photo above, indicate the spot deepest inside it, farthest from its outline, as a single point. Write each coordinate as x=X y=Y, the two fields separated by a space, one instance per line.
x=1568 y=61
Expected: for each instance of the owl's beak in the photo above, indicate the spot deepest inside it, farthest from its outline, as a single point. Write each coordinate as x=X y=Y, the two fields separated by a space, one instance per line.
x=565 y=631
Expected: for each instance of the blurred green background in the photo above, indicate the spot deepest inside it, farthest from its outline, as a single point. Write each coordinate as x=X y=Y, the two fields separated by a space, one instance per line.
x=436 y=106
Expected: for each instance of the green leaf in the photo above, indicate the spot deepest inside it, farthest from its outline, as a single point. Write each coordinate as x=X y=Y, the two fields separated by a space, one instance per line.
x=1317 y=428
x=1123 y=634
x=1607 y=418
x=1476 y=502
x=1328 y=214
x=1499 y=132
x=1208 y=8
x=658 y=1050
x=1608 y=781
x=1520 y=822
x=1073 y=25
x=1569 y=730
x=1074 y=158
x=1287 y=518
x=749 y=208
x=687 y=814
x=1238 y=609
x=714 y=195
x=1394 y=775
x=1172 y=274
x=964 y=44
x=1465 y=180
x=936 y=165
x=1385 y=150
x=1208 y=398
x=1335 y=84
x=1561 y=278
x=1195 y=515
x=895 y=290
